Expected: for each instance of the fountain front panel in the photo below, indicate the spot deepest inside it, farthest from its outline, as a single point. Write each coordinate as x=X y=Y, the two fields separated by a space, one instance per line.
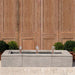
x=29 y=58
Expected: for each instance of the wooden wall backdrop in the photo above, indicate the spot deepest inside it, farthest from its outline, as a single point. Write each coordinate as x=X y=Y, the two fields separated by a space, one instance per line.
x=66 y=20
x=37 y=22
x=8 y=20
x=49 y=26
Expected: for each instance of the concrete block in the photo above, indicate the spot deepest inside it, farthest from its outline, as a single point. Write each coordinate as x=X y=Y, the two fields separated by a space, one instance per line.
x=62 y=59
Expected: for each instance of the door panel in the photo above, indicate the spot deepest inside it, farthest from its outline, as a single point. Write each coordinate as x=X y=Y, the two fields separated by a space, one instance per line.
x=29 y=24
x=49 y=34
x=67 y=24
x=29 y=44
x=8 y=20
x=49 y=17
x=10 y=15
x=1 y=16
x=28 y=16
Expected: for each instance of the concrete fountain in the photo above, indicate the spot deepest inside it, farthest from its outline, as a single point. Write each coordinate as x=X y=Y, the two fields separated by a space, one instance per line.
x=36 y=58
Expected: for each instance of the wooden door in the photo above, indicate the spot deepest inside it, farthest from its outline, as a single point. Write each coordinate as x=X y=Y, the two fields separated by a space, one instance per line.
x=38 y=23
x=8 y=20
x=29 y=35
x=49 y=23
x=66 y=20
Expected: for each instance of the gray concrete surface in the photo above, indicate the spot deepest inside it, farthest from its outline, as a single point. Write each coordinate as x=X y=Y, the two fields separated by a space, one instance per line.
x=63 y=59
x=37 y=70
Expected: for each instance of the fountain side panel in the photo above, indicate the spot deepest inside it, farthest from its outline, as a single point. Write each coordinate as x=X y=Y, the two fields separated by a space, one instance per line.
x=36 y=61
x=61 y=61
x=9 y=60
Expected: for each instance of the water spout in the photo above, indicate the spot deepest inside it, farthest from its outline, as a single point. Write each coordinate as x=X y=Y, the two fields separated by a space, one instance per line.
x=53 y=48
x=20 y=49
x=37 y=48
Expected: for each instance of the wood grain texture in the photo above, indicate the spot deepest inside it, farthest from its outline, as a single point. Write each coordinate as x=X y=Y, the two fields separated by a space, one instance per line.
x=50 y=23
x=29 y=24
x=8 y=20
x=1 y=16
x=10 y=15
x=66 y=20
x=37 y=22
x=28 y=16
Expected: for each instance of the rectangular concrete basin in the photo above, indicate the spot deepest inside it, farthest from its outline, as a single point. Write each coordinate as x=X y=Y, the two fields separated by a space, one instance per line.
x=29 y=58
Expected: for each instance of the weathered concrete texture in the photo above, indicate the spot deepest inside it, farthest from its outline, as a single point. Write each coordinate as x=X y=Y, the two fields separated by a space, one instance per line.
x=37 y=71
x=11 y=60
x=61 y=61
x=37 y=60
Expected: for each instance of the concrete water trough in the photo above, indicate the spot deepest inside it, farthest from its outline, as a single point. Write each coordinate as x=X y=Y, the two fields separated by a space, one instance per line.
x=29 y=58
